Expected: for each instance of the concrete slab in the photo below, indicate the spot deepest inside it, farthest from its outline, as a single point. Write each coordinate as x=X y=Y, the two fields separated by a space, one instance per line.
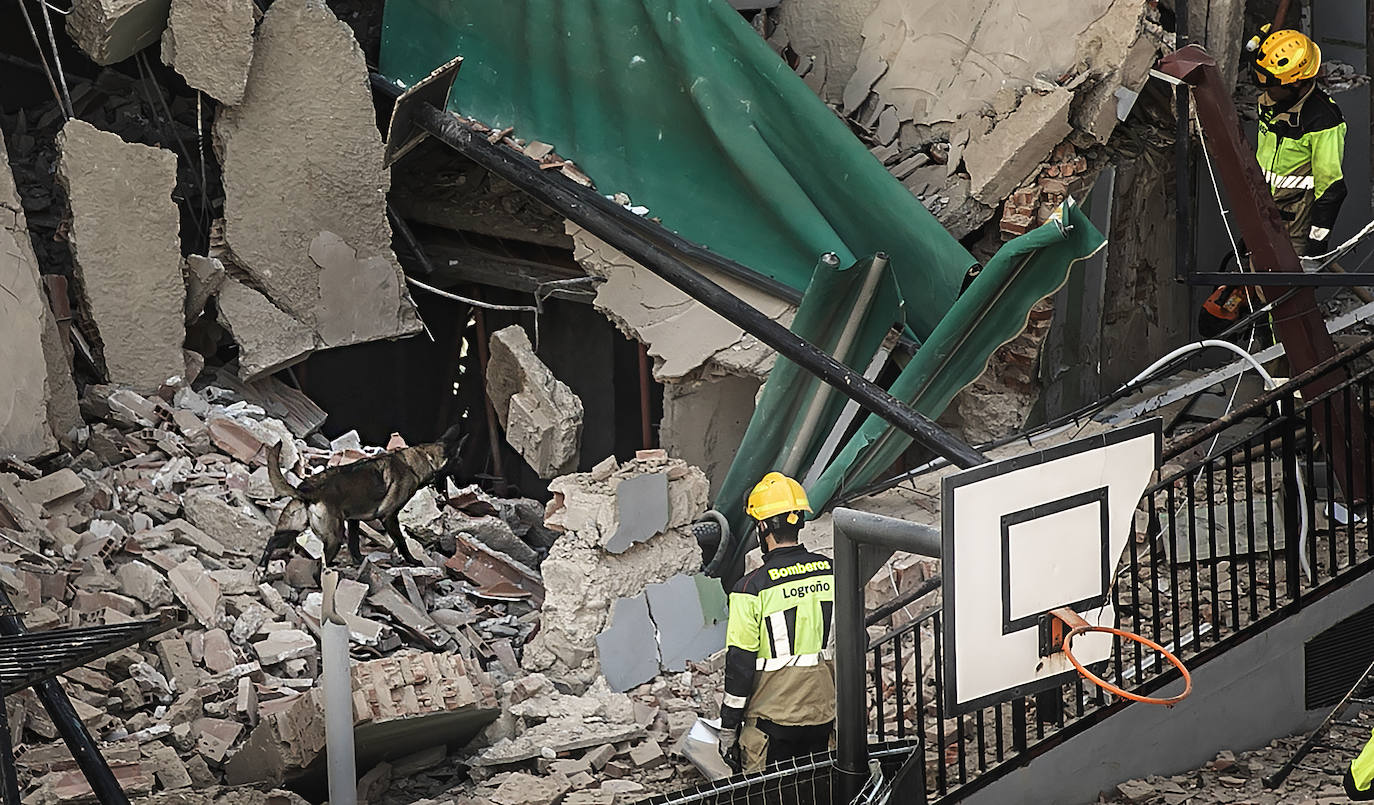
x=1211 y=531
x=269 y=339
x=689 y=614
x=111 y=31
x=704 y=421
x=127 y=251
x=345 y=279
x=211 y=45
x=1002 y=159
x=627 y=649
x=36 y=368
x=204 y=276
x=642 y=505
x=302 y=155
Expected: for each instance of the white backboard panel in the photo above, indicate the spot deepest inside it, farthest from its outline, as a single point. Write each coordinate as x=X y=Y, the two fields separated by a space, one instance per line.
x=1027 y=535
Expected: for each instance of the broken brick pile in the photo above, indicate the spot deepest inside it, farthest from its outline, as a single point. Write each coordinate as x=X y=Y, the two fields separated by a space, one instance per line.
x=165 y=501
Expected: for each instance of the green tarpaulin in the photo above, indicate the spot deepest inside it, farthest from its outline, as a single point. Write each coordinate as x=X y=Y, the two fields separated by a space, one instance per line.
x=682 y=106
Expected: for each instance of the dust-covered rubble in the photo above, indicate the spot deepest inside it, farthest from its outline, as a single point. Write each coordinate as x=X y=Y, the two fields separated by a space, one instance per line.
x=165 y=502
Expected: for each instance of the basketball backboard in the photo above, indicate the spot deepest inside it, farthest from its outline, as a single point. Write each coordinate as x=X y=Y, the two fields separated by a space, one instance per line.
x=1027 y=535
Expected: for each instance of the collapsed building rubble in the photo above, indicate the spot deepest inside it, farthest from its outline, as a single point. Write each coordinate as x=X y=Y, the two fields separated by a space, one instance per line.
x=540 y=414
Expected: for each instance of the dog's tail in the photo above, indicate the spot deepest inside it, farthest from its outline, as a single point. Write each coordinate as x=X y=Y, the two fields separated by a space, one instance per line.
x=279 y=482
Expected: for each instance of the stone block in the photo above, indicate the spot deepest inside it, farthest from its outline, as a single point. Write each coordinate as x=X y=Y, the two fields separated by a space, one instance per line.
x=111 y=31
x=541 y=415
x=141 y=581
x=127 y=251
x=239 y=528
x=211 y=45
x=38 y=384
x=269 y=339
x=302 y=156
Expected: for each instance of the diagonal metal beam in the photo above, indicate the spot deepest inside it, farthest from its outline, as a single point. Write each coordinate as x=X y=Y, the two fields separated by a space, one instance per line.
x=1296 y=316
x=589 y=210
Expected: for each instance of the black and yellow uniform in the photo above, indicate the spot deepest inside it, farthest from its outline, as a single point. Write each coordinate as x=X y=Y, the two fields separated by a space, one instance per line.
x=779 y=664
x=1301 y=147
x=1359 y=776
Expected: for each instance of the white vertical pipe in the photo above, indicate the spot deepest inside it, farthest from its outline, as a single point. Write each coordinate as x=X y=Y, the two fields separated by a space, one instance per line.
x=338 y=698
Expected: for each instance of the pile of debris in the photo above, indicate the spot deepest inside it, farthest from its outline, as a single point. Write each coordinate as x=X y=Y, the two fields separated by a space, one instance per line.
x=166 y=501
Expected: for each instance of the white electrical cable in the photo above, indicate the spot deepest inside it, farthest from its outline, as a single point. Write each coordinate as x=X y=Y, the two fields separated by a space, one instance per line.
x=1269 y=383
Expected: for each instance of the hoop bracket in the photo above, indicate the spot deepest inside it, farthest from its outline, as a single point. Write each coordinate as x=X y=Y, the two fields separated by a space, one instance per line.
x=1062 y=625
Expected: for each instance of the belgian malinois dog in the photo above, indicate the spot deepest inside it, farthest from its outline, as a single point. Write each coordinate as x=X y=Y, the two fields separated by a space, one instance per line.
x=374 y=488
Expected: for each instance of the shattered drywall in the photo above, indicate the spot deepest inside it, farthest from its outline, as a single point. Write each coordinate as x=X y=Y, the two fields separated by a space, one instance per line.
x=127 y=251
x=683 y=336
x=38 y=397
x=541 y=416
x=582 y=580
x=305 y=189
x=211 y=45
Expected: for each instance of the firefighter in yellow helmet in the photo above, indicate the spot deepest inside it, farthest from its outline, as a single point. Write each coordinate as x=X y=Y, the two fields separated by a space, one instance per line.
x=1301 y=139
x=779 y=665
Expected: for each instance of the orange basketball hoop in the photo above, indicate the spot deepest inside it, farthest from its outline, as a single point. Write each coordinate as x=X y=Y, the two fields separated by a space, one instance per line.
x=1078 y=626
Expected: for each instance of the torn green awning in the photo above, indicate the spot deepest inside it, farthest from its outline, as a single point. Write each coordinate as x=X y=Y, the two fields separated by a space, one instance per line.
x=682 y=106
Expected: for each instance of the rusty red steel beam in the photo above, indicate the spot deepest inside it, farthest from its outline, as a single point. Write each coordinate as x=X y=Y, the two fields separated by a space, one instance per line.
x=1297 y=318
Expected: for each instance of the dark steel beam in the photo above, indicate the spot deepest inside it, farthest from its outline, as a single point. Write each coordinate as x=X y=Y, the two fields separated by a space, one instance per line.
x=1284 y=279
x=68 y=724
x=603 y=218
x=1296 y=316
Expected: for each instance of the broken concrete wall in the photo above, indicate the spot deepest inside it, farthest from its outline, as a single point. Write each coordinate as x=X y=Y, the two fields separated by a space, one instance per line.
x=704 y=421
x=305 y=190
x=110 y=31
x=211 y=45
x=127 y=251
x=941 y=91
x=269 y=339
x=541 y=416
x=37 y=398
x=683 y=337
x=582 y=580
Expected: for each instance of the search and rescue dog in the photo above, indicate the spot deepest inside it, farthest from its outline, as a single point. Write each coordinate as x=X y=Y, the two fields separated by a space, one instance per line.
x=375 y=488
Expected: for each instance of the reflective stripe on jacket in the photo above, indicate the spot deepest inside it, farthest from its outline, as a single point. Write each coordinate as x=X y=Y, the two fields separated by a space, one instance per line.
x=779 y=664
x=1300 y=151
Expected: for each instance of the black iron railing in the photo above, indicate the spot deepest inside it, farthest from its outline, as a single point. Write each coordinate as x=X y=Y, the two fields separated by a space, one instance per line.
x=1247 y=524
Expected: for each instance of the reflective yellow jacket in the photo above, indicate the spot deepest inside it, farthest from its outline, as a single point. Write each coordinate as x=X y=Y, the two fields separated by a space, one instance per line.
x=1359 y=778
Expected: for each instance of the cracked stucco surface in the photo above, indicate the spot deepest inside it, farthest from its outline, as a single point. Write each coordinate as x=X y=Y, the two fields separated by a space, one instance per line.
x=127 y=250
x=37 y=385
x=302 y=157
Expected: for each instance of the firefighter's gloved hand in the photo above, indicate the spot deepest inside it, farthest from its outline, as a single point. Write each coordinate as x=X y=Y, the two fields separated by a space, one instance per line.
x=1315 y=247
x=729 y=749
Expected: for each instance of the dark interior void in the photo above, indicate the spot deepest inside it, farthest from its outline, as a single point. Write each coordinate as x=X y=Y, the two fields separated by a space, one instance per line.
x=418 y=387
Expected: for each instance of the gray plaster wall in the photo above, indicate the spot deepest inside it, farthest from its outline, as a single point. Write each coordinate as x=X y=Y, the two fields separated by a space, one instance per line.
x=1241 y=700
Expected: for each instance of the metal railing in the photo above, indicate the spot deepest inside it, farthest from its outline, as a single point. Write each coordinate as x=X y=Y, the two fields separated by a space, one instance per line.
x=1246 y=525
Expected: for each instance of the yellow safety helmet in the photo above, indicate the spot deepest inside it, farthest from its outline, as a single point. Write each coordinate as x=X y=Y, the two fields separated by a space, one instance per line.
x=777 y=494
x=1287 y=57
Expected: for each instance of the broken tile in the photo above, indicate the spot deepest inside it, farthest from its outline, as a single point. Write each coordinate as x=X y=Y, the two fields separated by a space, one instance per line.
x=627 y=650
x=642 y=510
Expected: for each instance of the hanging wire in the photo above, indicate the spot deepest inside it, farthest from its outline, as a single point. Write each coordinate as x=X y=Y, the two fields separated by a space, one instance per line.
x=42 y=58
x=57 y=61
x=469 y=301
